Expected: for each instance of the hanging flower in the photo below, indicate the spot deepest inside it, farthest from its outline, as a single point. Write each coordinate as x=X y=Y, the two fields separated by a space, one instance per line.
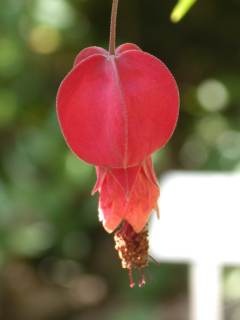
x=115 y=108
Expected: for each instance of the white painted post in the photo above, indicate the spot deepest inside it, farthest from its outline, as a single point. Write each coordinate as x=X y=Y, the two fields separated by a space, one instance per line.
x=205 y=292
x=199 y=225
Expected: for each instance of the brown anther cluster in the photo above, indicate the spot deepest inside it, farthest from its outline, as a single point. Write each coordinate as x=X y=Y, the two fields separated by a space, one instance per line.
x=132 y=249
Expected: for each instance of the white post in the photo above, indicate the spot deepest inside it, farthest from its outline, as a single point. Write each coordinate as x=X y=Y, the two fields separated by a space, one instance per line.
x=205 y=286
x=199 y=225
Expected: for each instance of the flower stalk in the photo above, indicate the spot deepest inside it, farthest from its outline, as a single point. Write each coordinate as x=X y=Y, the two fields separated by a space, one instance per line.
x=113 y=27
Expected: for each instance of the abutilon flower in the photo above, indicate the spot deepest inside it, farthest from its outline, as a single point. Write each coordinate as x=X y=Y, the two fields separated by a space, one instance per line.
x=115 y=108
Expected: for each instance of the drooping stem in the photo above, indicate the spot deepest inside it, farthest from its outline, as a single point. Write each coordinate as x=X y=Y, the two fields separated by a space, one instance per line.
x=112 y=38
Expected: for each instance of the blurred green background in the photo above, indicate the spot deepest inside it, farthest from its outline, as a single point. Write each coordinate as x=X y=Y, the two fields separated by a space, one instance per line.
x=56 y=261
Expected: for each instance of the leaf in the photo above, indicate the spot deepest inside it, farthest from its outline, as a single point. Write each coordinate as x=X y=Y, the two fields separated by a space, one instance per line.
x=181 y=8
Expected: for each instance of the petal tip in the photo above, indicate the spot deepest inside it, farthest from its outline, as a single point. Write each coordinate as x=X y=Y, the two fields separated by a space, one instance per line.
x=110 y=223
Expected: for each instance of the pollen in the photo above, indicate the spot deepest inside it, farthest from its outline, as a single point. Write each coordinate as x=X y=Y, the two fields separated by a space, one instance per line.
x=132 y=249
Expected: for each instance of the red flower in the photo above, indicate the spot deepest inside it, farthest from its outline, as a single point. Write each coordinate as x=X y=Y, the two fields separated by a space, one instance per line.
x=115 y=110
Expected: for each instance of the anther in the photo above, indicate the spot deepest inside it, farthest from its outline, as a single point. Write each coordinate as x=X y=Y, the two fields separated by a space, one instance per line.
x=131 y=281
x=142 y=281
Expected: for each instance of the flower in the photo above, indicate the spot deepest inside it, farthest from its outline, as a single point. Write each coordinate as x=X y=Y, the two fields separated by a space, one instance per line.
x=114 y=111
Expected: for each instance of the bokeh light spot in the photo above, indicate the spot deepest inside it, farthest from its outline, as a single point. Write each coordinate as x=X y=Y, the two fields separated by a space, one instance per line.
x=212 y=95
x=229 y=144
x=32 y=239
x=65 y=271
x=194 y=153
x=44 y=39
x=56 y=13
x=88 y=290
x=211 y=127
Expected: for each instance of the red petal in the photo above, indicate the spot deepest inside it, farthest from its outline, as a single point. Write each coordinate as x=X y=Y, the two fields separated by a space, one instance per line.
x=126 y=178
x=114 y=206
x=149 y=171
x=143 y=201
x=90 y=112
x=87 y=52
x=126 y=47
x=152 y=101
x=101 y=174
x=111 y=203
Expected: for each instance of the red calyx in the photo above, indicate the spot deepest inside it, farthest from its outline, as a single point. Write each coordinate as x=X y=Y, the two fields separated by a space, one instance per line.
x=115 y=110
